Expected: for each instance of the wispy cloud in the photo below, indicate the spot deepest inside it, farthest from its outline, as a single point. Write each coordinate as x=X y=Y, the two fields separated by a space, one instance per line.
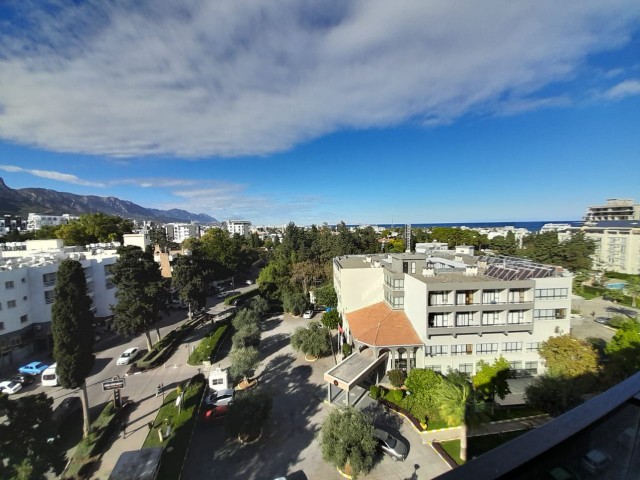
x=51 y=175
x=199 y=78
x=623 y=89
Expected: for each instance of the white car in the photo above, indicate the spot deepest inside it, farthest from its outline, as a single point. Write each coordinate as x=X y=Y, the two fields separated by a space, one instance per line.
x=127 y=356
x=220 y=397
x=9 y=387
x=307 y=314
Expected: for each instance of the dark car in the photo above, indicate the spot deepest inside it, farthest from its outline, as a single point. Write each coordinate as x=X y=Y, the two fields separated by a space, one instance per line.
x=23 y=379
x=392 y=446
x=68 y=407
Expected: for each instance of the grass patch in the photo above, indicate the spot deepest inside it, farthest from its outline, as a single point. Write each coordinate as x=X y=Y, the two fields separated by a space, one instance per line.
x=207 y=346
x=509 y=413
x=163 y=349
x=181 y=427
x=89 y=447
x=452 y=447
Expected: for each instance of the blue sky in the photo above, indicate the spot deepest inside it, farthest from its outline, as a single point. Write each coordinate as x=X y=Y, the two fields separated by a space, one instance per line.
x=367 y=112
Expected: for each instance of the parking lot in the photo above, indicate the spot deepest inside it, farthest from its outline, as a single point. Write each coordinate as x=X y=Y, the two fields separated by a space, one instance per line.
x=290 y=439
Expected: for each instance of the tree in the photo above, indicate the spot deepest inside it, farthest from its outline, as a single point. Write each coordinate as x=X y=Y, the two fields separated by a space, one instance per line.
x=623 y=351
x=25 y=430
x=243 y=362
x=567 y=356
x=142 y=293
x=554 y=395
x=326 y=295
x=457 y=406
x=311 y=340
x=259 y=305
x=191 y=277
x=245 y=317
x=331 y=319
x=93 y=228
x=294 y=302
x=424 y=385
x=247 y=336
x=72 y=329
x=491 y=379
x=248 y=412
x=347 y=439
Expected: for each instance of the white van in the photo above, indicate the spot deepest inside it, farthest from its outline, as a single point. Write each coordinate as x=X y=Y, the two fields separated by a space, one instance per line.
x=218 y=379
x=49 y=377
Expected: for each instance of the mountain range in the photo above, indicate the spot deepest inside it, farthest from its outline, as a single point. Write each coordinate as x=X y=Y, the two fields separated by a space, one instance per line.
x=23 y=201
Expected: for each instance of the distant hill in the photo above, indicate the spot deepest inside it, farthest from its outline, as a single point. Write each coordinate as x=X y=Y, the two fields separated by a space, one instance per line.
x=23 y=201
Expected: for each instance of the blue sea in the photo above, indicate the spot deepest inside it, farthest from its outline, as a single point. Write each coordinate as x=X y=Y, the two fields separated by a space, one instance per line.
x=531 y=226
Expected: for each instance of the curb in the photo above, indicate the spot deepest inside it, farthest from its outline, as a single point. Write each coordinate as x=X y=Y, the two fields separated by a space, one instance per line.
x=518 y=419
x=447 y=460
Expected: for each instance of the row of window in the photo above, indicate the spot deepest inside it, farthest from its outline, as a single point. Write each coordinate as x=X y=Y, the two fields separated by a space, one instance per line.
x=395 y=302
x=550 y=313
x=10 y=303
x=467 y=297
x=552 y=293
x=466 y=319
x=23 y=319
x=480 y=348
x=530 y=368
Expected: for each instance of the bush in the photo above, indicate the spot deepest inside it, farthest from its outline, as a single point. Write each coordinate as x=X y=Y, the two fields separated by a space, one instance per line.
x=207 y=346
x=312 y=340
x=374 y=392
x=247 y=336
x=395 y=396
x=346 y=349
x=397 y=377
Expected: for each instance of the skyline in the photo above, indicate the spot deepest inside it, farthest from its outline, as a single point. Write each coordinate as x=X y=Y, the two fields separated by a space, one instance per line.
x=359 y=112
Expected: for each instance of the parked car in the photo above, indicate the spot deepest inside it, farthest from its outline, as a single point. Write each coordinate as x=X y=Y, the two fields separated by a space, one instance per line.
x=249 y=282
x=127 y=356
x=307 y=314
x=391 y=445
x=602 y=320
x=23 y=379
x=220 y=397
x=9 y=387
x=65 y=410
x=33 y=368
x=215 y=414
x=49 y=377
x=595 y=460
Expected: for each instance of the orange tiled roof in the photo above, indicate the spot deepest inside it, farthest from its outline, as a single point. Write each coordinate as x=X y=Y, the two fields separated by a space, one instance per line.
x=380 y=326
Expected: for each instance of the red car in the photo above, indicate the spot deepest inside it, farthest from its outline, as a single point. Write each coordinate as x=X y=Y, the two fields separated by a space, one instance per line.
x=215 y=414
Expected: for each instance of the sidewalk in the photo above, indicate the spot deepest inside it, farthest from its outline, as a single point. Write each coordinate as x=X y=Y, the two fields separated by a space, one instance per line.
x=501 y=426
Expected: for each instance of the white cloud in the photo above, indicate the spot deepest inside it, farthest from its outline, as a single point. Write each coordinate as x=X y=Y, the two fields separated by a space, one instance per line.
x=51 y=175
x=198 y=78
x=623 y=89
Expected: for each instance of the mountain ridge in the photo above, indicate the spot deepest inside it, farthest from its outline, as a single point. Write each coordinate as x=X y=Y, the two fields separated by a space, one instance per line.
x=23 y=201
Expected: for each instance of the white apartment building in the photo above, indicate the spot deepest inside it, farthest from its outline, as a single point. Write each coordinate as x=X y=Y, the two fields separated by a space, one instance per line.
x=447 y=311
x=241 y=227
x=615 y=209
x=35 y=221
x=141 y=240
x=27 y=293
x=179 y=232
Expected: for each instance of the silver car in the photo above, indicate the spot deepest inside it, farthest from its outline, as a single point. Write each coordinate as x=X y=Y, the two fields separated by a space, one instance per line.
x=220 y=397
x=392 y=446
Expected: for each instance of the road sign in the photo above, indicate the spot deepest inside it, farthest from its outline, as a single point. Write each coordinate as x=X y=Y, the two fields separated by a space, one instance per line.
x=116 y=383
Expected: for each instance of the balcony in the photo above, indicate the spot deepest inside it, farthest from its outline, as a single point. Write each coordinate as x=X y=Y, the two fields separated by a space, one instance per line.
x=480 y=329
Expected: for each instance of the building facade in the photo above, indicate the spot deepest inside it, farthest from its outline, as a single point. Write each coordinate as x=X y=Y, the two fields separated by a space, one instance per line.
x=27 y=294
x=614 y=210
x=448 y=311
x=241 y=227
x=179 y=232
x=35 y=221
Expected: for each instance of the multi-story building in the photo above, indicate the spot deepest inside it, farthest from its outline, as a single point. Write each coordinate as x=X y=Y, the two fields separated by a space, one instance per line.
x=614 y=210
x=179 y=232
x=447 y=311
x=27 y=293
x=241 y=227
x=35 y=221
x=11 y=223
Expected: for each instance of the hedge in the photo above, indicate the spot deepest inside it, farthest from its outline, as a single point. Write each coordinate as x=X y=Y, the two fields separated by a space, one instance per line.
x=208 y=346
x=163 y=349
x=241 y=296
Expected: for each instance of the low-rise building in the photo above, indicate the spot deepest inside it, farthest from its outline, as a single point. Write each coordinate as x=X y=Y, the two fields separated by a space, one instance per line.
x=35 y=221
x=241 y=227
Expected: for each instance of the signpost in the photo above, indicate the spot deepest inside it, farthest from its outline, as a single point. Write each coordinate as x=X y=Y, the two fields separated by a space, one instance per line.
x=115 y=384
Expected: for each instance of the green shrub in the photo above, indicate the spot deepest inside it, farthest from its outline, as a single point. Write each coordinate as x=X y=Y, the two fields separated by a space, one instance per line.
x=397 y=378
x=346 y=349
x=207 y=346
x=394 y=396
x=374 y=392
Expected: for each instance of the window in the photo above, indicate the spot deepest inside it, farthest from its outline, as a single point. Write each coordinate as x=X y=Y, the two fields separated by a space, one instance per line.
x=516 y=367
x=533 y=346
x=395 y=283
x=552 y=293
x=464 y=297
x=24 y=299
x=11 y=304
x=24 y=318
x=438 y=298
x=489 y=296
x=466 y=368
x=393 y=301
x=531 y=368
x=413 y=267
x=516 y=295
x=486 y=348
x=464 y=319
x=1 y=325
x=8 y=285
x=437 y=350
x=435 y=368
x=491 y=318
x=512 y=347
x=49 y=279
x=49 y=296
x=550 y=313
x=462 y=349
x=515 y=316
x=439 y=320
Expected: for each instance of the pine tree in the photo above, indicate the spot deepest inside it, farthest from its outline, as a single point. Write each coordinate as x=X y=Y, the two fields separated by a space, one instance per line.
x=72 y=328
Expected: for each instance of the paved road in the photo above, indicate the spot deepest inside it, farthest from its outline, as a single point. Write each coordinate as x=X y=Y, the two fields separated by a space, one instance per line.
x=289 y=444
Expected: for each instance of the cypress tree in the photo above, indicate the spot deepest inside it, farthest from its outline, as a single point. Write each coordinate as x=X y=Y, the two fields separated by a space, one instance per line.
x=72 y=328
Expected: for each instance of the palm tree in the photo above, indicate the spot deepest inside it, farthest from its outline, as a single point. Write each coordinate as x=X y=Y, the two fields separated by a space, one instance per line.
x=458 y=407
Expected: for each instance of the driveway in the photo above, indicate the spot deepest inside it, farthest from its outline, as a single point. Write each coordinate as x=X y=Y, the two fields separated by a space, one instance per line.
x=290 y=440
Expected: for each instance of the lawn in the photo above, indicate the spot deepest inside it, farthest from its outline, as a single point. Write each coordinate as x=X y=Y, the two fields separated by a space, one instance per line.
x=207 y=346
x=479 y=444
x=181 y=424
